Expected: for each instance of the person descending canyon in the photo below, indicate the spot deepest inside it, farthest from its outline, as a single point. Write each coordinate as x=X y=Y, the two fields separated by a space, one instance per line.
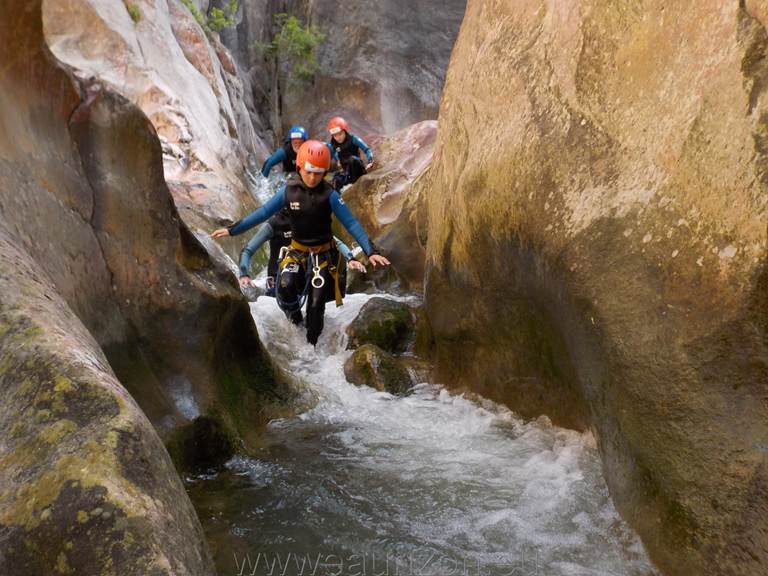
x=312 y=267
x=297 y=135
x=277 y=231
x=347 y=148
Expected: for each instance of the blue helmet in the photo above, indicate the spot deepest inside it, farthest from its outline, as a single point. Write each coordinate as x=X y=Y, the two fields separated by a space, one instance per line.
x=298 y=132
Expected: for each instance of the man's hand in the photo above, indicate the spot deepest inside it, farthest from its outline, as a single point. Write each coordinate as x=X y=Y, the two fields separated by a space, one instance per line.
x=355 y=265
x=378 y=260
x=369 y=166
x=220 y=233
x=245 y=281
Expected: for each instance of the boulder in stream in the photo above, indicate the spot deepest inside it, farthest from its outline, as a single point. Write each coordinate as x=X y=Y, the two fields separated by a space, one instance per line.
x=377 y=368
x=388 y=324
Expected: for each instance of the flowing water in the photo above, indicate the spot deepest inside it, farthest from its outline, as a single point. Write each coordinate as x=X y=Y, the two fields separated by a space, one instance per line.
x=365 y=483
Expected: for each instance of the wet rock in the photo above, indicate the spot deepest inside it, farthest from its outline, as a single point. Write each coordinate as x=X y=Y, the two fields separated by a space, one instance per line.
x=386 y=323
x=377 y=368
x=607 y=251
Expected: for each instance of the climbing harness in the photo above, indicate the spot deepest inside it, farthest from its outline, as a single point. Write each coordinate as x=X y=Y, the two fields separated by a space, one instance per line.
x=316 y=257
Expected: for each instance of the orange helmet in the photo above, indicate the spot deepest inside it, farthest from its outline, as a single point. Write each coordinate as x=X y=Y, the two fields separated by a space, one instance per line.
x=337 y=124
x=314 y=156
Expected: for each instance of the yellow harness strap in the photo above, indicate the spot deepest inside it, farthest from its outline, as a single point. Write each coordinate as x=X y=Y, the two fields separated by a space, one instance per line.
x=314 y=249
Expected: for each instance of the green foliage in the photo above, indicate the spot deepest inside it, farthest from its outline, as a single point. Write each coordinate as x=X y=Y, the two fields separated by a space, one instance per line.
x=222 y=18
x=217 y=19
x=295 y=46
x=134 y=11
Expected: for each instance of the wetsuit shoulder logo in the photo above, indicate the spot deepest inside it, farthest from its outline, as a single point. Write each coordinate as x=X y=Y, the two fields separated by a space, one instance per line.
x=295 y=206
x=288 y=234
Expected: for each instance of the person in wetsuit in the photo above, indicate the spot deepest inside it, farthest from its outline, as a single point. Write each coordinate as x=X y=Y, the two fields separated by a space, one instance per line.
x=346 y=149
x=286 y=155
x=311 y=267
x=277 y=231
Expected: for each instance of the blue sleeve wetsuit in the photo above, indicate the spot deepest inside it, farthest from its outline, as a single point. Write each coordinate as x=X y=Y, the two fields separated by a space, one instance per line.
x=262 y=235
x=357 y=141
x=273 y=206
x=273 y=161
x=348 y=220
x=263 y=214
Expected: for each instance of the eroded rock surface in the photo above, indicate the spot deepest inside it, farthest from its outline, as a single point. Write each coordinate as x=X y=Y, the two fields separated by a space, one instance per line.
x=186 y=83
x=390 y=204
x=597 y=250
x=86 y=486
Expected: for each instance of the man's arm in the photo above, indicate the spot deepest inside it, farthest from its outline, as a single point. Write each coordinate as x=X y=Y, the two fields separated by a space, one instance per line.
x=347 y=219
x=262 y=235
x=261 y=215
x=364 y=147
x=272 y=161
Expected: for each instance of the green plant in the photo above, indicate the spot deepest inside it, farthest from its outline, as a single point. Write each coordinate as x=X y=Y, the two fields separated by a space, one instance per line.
x=223 y=18
x=295 y=46
x=134 y=11
x=217 y=19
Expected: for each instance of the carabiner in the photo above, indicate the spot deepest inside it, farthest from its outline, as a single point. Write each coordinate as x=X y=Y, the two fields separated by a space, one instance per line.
x=317 y=280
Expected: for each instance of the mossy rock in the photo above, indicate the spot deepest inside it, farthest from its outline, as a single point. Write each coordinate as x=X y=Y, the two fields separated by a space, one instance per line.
x=386 y=323
x=377 y=368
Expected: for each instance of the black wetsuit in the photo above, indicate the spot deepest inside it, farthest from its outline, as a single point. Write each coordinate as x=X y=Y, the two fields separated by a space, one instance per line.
x=310 y=218
x=348 y=154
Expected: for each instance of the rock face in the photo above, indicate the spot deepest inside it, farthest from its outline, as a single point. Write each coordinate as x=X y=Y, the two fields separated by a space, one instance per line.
x=386 y=323
x=254 y=26
x=382 y=65
x=161 y=275
x=597 y=250
x=97 y=265
x=86 y=486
